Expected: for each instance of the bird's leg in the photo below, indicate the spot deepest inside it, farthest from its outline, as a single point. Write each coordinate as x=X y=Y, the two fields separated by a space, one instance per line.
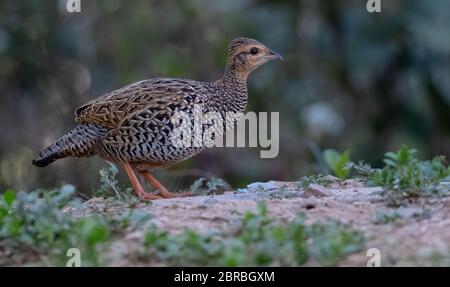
x=162 y=190
x=145 y=196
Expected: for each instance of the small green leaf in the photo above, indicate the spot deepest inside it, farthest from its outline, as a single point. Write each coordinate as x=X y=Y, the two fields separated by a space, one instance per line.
x=8 y=197
x=338 y=162
x=197 y=184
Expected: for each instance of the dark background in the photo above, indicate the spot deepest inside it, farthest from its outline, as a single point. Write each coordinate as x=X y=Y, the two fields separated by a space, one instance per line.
x=350 y=80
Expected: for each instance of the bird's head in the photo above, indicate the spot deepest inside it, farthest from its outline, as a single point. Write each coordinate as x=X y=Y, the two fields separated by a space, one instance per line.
x=245 y=55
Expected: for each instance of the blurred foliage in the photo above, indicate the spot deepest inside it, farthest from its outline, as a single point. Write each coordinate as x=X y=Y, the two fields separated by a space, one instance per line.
x=37 y=229
x=385 y=216
x=258 y=241
x=350 y=80
x=34 y=224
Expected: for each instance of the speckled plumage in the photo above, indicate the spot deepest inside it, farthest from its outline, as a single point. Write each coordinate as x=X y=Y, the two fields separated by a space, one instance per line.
x=133 y=124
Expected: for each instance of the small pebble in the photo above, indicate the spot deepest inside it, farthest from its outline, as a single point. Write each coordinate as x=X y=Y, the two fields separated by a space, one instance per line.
x=317 y=190
x=211 y=200
x=446 y=202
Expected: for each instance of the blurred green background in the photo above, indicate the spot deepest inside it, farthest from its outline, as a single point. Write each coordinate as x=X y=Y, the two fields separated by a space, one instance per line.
x=350 y=80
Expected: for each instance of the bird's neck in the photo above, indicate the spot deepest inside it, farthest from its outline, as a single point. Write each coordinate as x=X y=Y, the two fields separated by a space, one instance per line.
x=234 y=90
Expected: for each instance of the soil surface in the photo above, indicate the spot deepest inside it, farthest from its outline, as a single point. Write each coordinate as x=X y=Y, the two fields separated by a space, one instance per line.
x=418 y=234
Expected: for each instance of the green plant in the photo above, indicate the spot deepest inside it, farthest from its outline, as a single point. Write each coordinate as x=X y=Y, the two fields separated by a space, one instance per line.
x=90 y=235
x=404 y=176
x=361 y=168
x=385 y=217
x=256 y=240
x=110 y=186
x=108 y=178
x=320 y=179
x=34 y=219
x=337 y=162
x=213 y=185
x=35 y=223
x=332 y=241
x=404 y=171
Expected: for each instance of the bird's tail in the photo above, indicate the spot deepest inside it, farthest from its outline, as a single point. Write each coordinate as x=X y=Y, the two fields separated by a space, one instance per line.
x=81 y=141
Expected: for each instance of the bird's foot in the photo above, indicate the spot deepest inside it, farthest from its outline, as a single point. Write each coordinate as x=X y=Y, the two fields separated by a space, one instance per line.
x=137 y=187
x=146 y=196
x=168 y=194
x=162 y=191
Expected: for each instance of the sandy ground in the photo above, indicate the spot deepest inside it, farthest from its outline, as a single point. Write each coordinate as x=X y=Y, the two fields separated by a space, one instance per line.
x=419 y=237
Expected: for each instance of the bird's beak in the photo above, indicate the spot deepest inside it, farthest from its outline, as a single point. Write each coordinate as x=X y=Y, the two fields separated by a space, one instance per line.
x=274 y=55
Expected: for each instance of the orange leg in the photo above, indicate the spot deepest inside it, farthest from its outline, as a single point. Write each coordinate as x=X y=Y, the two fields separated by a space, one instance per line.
x=162 y=190
x=145 y=196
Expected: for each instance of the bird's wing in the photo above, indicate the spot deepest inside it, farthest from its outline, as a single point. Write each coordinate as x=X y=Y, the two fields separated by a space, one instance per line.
x=152 y=98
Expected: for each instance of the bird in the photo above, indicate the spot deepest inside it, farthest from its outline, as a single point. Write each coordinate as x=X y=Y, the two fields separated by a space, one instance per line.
x=132 y=126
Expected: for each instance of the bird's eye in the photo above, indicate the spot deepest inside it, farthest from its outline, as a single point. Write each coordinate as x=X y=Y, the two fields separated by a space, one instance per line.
x=254 y=51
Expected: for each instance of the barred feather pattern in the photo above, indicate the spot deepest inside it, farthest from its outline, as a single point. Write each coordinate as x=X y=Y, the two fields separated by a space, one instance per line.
x=83 y=140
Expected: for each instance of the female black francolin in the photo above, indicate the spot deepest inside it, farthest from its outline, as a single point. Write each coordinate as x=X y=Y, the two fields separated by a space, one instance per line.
x=133 y=125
